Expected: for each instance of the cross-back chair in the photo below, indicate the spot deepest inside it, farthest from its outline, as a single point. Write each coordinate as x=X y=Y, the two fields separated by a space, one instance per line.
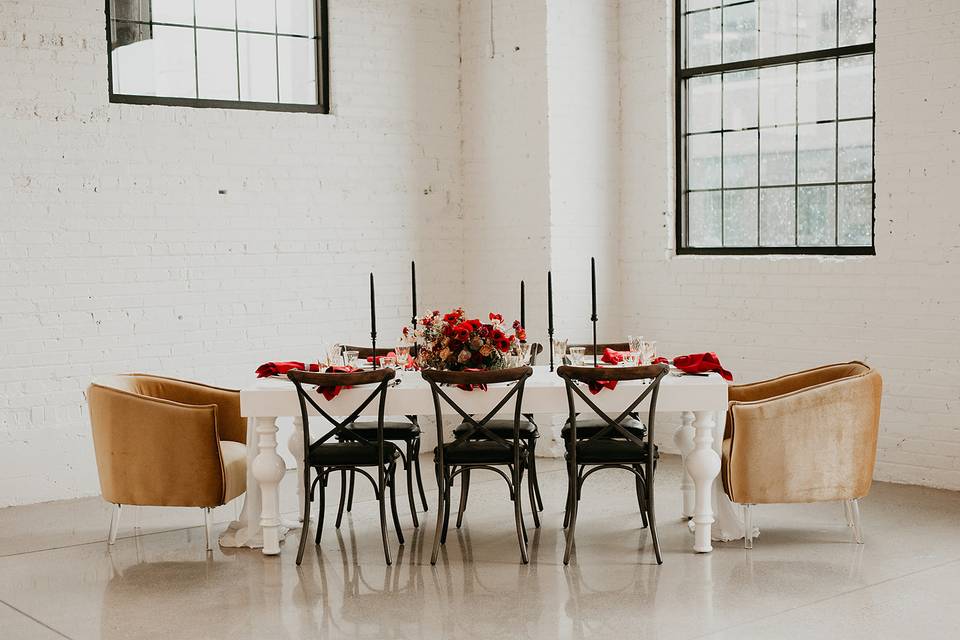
x=407 y=432
x=627 y=450
x=352 y=451
x=479 y=446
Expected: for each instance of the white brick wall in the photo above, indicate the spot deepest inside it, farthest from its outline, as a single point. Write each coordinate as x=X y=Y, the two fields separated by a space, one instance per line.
x=118 y=253
x=899 y=311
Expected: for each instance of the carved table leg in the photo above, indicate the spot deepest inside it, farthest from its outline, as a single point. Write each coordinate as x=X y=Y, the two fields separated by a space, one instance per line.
x=268 y=469
x=703 y=464
x=683 y=439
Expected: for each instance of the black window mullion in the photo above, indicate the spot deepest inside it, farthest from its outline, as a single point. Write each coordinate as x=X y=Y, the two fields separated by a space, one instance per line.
x=196 y=55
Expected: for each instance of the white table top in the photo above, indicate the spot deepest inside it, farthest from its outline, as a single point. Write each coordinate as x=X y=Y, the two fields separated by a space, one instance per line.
x=544 y=392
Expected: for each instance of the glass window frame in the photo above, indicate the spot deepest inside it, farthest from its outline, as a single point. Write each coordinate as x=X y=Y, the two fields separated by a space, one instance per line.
x=681 y=75
x=322 y=66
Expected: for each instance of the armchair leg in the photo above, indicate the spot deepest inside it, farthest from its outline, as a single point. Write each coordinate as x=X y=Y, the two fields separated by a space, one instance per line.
x=114 y=524
x=747 y=527
x=855 y=517
x=208 y=526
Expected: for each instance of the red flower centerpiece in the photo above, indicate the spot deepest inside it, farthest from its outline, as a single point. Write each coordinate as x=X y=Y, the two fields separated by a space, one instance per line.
x=453 y=342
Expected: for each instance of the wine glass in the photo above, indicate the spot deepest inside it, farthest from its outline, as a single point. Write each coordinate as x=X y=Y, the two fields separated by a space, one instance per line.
x=560 y=349
x=635 y=342
x=403 y=355
x=335 y=355
x=631 y=358
x=350 y=358
x=576 y=355
x=648 y=351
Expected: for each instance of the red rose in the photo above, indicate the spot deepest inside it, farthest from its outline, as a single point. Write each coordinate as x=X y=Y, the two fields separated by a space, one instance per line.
x=521 y=334
x=496 y=317
x=447 y=330
x=498 y=335
x=474 y=324
x=484 y=331
x=516 y=324
x=461 y=333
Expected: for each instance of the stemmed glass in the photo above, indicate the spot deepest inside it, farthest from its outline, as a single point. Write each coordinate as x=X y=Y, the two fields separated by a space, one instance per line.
x=403 y=355
x=560 y=349
x=635 y=342
x=576 y=355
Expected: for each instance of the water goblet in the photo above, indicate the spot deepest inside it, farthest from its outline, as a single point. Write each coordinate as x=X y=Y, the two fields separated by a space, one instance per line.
x=576 y=355
x=522 y=349
x=335 y=355
x=631 y=358
x=389 y=362
x=403 y=355
x=350 y=358
x=648 y=351
x=635 y=343
x=560 y=349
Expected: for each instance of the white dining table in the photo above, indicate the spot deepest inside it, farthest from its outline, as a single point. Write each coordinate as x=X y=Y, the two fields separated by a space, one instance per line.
x=700 y=400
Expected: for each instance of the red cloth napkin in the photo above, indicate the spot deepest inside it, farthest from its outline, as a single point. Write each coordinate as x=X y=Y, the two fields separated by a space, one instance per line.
x=701 y=363
x=471 y=387
x=611 y=357
x=332 y=392
x=599 y=385
x=268 y=369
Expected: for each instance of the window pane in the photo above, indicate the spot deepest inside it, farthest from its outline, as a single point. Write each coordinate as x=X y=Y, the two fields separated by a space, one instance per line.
x=703 y=38
x=816 y=91
x=216 y=13
x=778 y=95
x=298 y=70
x=740 y=218
x=856 y=22
x=817 y=24
x=855 y=150
x=740 y=159
x=256 y=15
x=816 y=152
x=693 y=5
x=778 y=27
x=778 y=156
x=816 y=216
x=703 y=160
x=740 y=99
x=856 y=87
x=258 y=67
x=778 y=217
x=217 y=64
x=170 y=11
x=855 y=210
x=159 y=66
x=704 y=221
x=740 y=32
x=297 y=17
x=703 y=104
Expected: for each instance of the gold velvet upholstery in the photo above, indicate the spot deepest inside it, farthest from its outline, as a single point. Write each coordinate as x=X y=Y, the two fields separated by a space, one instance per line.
x=804 y=437
x=166 y=442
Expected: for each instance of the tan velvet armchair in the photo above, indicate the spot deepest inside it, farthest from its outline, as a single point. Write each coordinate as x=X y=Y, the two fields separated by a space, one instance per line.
x=805 y=437
x=166 y=442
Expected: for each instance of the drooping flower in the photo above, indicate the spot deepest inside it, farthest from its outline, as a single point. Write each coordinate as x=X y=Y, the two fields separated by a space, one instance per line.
x=496 y=318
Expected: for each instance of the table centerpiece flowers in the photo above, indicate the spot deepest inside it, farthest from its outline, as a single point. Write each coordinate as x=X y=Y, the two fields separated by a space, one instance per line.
x=453 y=342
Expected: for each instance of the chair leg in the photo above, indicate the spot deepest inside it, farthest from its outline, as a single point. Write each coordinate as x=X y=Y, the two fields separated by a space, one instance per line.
x=382 y=500
x=322 y=504
x=353 y=478
x=855 y=517
x=416 y=466
x=343 y=497
x=208 y=526
x=393 y=502
x=441 y=494
x=408 y=467
x=566 y=507
x=518 y=514
x=572 y=525
x=114 y=524
x=305 y=529
x=648 y=502
x=448 y=483
x=464 y=490
x=848 y=518
x=531 y=489
x=533 y=474
x=641 y=489
x=747 y=527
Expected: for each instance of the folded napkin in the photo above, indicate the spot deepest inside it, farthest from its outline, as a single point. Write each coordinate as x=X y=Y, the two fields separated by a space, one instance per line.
x=471 y=387
x=332 y=392
x=599 y=385
x=611 y=357
x=268 y=369
x=700 y=363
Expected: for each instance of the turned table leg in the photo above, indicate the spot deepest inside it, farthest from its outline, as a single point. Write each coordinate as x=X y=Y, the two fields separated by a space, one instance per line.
x=703 y=464
x=683 y=439
x=268 y=469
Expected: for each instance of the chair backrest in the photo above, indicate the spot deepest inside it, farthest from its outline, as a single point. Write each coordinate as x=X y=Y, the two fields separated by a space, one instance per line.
x=616 y=346
x=572 y=376
x=379 y=377
x=366 y=352
x=437 y=378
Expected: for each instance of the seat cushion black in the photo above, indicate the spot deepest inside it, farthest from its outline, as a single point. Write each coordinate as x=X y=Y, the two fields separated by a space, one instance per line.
x=349 y=453
x=476 y=452
x=392 y=430
x=608 y=450
x=589 y=427
x=503 y=428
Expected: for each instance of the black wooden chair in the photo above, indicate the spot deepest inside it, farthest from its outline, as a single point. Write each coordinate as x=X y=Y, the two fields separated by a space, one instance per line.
x=353 y=452
x=479 y=447
x=636 y=454
x=407 y=431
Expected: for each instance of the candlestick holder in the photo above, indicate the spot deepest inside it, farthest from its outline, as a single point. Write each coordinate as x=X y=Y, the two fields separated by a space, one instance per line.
x=373 y=340
x=550 y=346
x=593 y=319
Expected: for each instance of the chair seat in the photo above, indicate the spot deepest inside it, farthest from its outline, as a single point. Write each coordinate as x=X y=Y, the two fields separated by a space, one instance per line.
x=613 y=451
x=392 y=430
x=589 y=427
x=234 y=455
x=477 y=452
x=502 y=428
x=349 y=453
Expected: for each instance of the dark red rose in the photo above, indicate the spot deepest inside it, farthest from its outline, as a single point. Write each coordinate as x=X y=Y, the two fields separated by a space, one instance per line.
x=496 y=334
x=484 y=331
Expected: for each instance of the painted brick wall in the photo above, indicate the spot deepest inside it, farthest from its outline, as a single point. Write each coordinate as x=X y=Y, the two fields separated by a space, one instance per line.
x=118 y=253
x=899 y=311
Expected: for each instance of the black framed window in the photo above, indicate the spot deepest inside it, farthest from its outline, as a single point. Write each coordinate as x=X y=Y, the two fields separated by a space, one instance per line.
x=775 y=126
x=240 y=54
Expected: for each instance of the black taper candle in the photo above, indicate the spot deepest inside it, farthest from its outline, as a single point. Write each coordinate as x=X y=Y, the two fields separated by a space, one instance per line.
x=593 y=305
x=373 y=322
x=523 y=307
x=413 y=292
x=550 y=316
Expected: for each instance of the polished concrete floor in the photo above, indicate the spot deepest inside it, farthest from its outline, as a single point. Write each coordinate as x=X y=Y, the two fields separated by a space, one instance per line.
x=805 y=578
